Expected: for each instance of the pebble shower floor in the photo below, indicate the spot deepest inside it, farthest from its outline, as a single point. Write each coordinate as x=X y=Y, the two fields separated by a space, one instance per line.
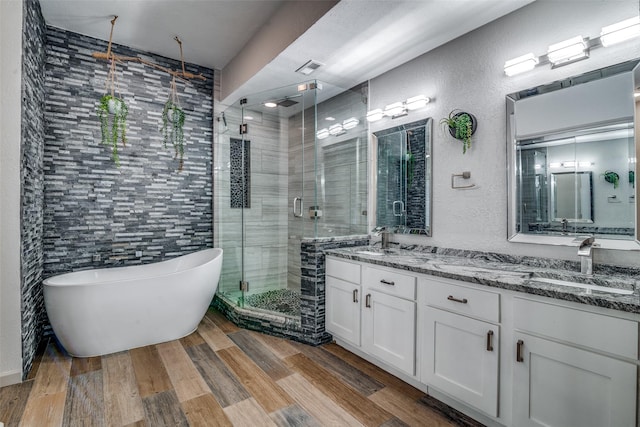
x=283 y=301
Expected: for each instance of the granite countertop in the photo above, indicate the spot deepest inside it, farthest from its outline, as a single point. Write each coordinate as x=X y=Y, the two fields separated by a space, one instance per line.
x=521 y=274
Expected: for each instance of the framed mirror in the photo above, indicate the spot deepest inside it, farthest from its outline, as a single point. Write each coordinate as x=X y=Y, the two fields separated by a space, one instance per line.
x=402 y=184
x=572 y=159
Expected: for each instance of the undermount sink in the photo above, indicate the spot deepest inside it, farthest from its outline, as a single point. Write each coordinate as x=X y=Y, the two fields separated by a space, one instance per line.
x=370 y=253
x=588 y=287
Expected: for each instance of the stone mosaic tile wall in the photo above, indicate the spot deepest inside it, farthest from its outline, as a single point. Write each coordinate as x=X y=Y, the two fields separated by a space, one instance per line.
x=33 y=133
x=416 y=193
x=99 y=215
x=312 y=299
x=240 y=173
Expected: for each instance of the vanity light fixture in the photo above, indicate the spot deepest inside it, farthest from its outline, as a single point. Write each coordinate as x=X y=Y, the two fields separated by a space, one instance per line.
x=520 y=64
x=398 y=109
x=350 y=123
x=416 y=102
x=375 y=115
x=336 y=129
x=621 y=31
x=322 y=133
x=568 y=51
x=572 y=164
x=576 y=48
x=395 y=110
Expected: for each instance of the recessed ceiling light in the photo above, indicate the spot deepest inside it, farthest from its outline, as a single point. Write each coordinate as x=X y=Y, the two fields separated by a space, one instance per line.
x=270 y=104
x=330 y=119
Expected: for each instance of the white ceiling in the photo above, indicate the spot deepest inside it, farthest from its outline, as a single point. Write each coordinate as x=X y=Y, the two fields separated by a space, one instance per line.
x=356 y=39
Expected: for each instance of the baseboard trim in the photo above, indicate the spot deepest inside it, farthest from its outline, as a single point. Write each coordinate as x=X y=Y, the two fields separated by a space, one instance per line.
x=10 y=378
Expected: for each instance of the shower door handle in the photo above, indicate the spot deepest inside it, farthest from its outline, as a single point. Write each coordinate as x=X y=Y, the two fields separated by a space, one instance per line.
x=400 y=211
x=297 y=201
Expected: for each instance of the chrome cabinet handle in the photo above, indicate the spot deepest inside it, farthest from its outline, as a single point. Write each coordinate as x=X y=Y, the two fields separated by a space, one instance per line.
x=454 y=299
x=367 y=301
x=387 y=282
x=519 y=346
x=355 y=295
x=490 y=341
x=297 y=201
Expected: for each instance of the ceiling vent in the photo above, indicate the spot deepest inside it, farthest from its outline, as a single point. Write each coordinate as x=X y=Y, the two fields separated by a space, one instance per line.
x=309 y=67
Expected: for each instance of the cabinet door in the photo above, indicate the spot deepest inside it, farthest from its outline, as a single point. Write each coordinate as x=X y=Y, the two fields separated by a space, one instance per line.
x=343 y=310
x=556 y=385
x=389 y=329
x=460 y=357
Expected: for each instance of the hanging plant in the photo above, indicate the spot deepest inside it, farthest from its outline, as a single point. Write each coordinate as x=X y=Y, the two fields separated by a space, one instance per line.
x=612 y=178
x=173 y=125
x=115 y=109
x=632 y=178
x=112 y=112
x=462 y=126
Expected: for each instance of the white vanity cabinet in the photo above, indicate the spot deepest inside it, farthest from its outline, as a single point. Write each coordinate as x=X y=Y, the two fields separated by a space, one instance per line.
x=374 y=309
x=389 y=317
x=343 y=295
x=573 y=367
x=505 y=358
x=460 y=339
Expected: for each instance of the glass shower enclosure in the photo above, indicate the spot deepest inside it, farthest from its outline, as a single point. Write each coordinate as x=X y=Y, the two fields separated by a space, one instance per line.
x=289 y=164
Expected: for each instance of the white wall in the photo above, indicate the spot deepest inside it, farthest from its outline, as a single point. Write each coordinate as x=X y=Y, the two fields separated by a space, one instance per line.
x=467 y=74
x=10 y=106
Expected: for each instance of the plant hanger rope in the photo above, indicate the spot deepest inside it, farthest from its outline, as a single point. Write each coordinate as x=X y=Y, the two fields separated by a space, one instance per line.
x=109 y=55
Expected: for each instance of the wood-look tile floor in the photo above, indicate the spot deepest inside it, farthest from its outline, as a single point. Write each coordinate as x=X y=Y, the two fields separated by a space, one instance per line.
x=218 y=376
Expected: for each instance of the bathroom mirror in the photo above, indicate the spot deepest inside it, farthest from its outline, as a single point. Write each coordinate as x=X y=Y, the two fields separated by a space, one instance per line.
x=572 y=159
x=402 y=165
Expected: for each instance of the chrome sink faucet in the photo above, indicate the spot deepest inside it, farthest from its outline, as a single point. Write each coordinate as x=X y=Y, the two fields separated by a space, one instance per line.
x=384 y=233
x=585 y=252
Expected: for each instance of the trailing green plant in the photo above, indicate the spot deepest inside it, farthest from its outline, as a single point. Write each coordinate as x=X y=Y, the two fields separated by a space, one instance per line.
x=612 y=178
x=173 y=129
x=173 y=124
x=460 y=126
x=112 y=112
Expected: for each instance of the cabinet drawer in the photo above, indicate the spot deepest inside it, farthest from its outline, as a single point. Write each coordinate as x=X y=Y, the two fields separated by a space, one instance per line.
x=389 y=282
x=344 y=270
x=600 y=332
x=450 y=295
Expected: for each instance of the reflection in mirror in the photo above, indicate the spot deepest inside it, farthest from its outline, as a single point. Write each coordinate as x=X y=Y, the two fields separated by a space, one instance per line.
x=403 y=176
x=572 y=159
x=571 y=197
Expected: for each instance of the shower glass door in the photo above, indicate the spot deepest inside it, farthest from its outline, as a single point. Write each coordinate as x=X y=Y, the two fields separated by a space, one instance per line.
x=262 y=180
x=287 y=168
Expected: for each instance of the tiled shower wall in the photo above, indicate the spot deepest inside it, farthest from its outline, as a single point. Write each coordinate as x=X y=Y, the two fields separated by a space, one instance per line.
x=98 y=214
x=33 y=133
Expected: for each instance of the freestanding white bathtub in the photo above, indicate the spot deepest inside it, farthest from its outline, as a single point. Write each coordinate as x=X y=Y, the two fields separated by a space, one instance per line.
x=96 y=312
